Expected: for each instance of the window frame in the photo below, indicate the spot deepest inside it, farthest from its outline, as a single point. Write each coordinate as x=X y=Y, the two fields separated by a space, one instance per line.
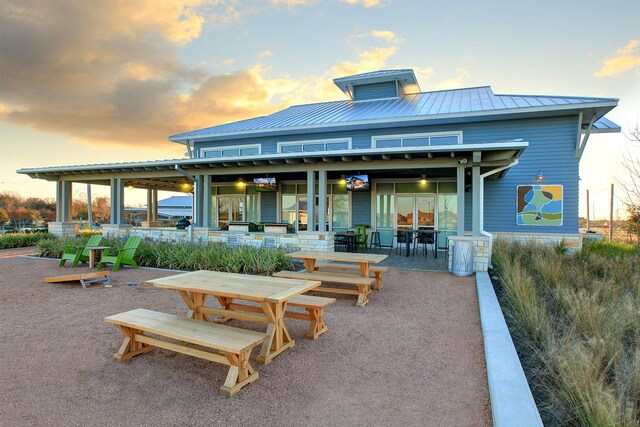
x=429 y=135
x=281 y=144
x=204 y=150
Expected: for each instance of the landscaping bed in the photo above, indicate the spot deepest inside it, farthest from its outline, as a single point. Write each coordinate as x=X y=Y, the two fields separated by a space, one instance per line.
x=187 y=256
x=22 y=240
x=575 y=321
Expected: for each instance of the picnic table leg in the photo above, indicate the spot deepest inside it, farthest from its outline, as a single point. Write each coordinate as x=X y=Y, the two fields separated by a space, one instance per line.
x=317 y=326
x=189 y=299
x=130 y=347
x=240 y=373
x=378 y=284
x=309 y=264
x=363 y=294
x=279 y=338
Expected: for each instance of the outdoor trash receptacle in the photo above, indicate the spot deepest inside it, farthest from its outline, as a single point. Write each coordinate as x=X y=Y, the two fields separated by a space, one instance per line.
x=462 y=260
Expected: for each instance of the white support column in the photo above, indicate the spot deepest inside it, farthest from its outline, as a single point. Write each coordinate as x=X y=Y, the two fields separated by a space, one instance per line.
x=149 y=205
x=154 y=204
x=120 y=200
x=113 y=211
x=198 y=190
x=206 y=202
x=311 y=200
x=59 y=200
x=322 y=200
x=476 y=199
x=460 y=193
x=66 y=201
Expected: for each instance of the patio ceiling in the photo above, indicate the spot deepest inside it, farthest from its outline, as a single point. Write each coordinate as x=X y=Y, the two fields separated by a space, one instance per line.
x=172 y=175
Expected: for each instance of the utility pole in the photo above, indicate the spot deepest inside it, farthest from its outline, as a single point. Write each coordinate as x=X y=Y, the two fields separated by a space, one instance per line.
x=587 y=211
x=611 y=217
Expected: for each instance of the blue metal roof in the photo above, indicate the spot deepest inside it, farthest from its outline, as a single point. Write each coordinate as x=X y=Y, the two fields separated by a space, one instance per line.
x=425 y=106
x=605 y=125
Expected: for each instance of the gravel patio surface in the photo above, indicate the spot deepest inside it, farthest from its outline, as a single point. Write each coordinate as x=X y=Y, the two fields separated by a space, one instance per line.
x=412 y=356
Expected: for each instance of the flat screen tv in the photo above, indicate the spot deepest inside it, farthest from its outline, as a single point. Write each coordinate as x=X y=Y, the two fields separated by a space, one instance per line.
x=265 y=184
x=358 y=183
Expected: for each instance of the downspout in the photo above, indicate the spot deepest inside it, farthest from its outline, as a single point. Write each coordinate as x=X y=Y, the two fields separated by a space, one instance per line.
x=482 y=177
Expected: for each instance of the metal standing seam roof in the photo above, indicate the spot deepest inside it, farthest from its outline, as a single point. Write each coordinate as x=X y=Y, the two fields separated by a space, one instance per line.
x=425 y=105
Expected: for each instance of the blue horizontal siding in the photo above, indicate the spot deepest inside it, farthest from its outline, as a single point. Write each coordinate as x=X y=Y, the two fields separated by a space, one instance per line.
x=371 y=91
x=551 y=151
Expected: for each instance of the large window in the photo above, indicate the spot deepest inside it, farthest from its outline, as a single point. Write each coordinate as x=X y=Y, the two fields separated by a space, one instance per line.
x=294 y=206
x=416 y=140
x=231 y=151
x=234 y=203
x=314 y=145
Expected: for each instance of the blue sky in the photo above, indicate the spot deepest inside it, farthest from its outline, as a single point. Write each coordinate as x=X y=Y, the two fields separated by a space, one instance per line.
x=101 y=81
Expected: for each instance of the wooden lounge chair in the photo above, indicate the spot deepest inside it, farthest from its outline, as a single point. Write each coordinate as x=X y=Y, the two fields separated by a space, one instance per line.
x=79 y=254
x=124 y=255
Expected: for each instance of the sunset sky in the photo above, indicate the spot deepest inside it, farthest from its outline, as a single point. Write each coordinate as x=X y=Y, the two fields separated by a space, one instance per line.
x=92 y=81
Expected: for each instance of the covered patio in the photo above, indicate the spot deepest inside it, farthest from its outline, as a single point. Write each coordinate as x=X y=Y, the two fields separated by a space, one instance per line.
x=221 y=195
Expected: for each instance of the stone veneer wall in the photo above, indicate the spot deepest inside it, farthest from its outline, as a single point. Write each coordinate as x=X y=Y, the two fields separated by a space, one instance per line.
x=572 y=241
x=63 y=229
x=304 y=240
x=481 y=251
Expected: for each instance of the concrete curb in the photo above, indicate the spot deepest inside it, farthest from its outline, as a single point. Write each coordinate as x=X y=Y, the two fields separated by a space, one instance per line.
x=511 y=400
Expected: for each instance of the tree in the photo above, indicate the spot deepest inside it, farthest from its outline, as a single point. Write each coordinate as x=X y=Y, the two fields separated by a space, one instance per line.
x=101 y=207
x=4 y=216
x=631 y=186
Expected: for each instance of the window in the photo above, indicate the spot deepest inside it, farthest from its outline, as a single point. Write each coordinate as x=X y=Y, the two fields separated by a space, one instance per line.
x=231 y=151
x=416 y=140
x=234 y=203
x=314 y=145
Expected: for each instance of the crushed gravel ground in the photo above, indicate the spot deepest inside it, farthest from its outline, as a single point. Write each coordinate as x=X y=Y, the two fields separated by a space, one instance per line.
x=412 y=356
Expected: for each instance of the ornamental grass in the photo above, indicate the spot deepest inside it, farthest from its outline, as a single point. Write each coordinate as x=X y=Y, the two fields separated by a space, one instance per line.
x=22 y=240
x=575 y=321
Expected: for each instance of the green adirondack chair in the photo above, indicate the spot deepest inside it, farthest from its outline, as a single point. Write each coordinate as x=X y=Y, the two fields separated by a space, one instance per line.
x=124 y=255
x=79 y=254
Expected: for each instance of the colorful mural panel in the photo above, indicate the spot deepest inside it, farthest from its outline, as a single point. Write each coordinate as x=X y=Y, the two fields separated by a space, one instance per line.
x=539 y=205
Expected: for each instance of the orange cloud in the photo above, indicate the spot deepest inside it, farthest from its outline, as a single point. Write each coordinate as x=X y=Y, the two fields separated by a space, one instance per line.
x=365 y=3
x=626 y=58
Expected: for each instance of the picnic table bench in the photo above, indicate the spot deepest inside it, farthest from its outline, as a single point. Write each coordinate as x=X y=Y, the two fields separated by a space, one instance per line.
x=272 y=295
x=377 y=270
x=363 y=284
x=232 y=346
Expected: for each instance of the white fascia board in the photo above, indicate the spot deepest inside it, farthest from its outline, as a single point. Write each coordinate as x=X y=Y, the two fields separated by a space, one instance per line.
x=405 y=121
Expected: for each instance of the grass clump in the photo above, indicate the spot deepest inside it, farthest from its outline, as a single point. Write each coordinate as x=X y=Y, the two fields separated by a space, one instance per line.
x=22 y=240
x=575 y=320
x=188 y=256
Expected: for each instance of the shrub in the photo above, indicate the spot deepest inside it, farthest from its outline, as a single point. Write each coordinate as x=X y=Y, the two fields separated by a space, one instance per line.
x=575 y=321
x=21 y=240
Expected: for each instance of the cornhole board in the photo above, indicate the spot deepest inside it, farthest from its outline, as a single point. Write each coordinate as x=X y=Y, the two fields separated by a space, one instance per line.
x=84 y=279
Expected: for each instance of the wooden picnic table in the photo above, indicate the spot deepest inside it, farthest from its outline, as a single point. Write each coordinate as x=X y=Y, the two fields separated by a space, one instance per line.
x=92 y=253
x=364 y=260
x=271 y=293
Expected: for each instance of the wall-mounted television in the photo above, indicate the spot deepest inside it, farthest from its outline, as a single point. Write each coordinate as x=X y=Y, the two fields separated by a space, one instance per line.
x=358 y=183
x=265 y=184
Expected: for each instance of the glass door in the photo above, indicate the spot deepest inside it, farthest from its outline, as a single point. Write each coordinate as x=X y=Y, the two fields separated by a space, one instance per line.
x=425 y=211
x=405 y=207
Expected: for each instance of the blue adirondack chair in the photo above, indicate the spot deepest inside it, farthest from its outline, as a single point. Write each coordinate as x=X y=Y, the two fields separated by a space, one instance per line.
x=124 y=256
x=79 y=254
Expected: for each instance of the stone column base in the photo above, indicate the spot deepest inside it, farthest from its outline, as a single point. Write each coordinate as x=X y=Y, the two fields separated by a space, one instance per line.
x=63 y=229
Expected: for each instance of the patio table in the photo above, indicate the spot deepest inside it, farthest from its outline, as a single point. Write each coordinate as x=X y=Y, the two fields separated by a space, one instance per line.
x=92 y=253
x=271 y=293
x=409 y=235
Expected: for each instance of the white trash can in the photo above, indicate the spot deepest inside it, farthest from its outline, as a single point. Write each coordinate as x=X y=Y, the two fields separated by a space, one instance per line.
x=462 y=260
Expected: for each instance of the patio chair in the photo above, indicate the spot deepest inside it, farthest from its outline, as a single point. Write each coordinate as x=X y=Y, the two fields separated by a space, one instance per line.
x=361 y=240
x=79 y=254
x=426 y=239
x=124 y=256
x=401 y=240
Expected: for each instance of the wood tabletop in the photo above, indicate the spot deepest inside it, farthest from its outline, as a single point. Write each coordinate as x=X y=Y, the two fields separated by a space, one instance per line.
x=338 y=256
x=253 y=288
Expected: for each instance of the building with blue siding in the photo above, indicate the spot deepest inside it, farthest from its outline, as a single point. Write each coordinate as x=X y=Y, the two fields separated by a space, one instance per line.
x=463 y=161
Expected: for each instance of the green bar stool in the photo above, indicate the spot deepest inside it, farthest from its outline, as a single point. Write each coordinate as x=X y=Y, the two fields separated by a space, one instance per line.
x=361 y=231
